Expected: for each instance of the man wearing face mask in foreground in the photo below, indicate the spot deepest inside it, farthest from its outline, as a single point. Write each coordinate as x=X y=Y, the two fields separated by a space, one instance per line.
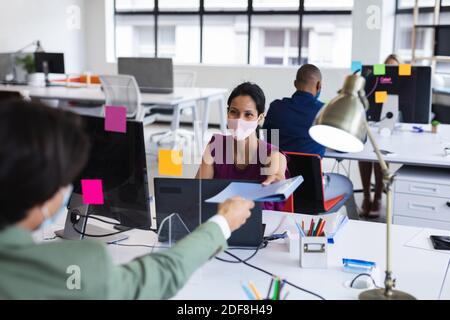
x=42 y=151
x=294 y=116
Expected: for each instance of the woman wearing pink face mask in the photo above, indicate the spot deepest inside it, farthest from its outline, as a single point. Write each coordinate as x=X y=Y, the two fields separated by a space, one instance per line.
x=241 y=155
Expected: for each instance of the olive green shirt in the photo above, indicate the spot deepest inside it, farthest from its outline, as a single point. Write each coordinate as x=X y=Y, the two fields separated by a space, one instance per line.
x=85 y=270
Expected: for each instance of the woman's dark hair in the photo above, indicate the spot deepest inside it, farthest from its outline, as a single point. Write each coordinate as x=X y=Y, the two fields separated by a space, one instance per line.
x=41 y=150
x=253 y=91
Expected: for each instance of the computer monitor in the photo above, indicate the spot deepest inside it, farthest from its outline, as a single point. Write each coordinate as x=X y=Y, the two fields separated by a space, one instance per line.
x=118 y=159
x=54 y=61
x=48 y=62
x=153 y=75
x=414 y=92
x=186 y=197
x=441 y=40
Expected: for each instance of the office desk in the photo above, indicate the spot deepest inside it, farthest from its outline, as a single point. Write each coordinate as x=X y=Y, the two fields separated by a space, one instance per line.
x=419 y=272
x=411 y=148
x=94 y=94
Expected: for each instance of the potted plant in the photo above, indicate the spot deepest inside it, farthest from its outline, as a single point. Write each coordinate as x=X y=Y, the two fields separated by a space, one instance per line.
x=434 y=126
x=27 y=62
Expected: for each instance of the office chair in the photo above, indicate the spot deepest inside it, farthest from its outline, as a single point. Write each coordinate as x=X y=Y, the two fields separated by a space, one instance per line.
x=11 y=95
x=185 y=79
x=122 y=90
x=175 y=134
x=317 y=194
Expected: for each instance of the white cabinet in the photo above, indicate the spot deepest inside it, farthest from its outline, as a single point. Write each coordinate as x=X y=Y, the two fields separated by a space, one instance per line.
x=422 y=197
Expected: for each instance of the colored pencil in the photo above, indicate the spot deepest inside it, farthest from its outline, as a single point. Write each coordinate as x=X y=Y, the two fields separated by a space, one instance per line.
x=255 y=292
x=311 y=227
x=247 y=292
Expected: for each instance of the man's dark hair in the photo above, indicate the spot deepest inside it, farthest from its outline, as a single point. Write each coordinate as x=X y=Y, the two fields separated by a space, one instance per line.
x=308 y=74
x=41 y=150
x=253 y=91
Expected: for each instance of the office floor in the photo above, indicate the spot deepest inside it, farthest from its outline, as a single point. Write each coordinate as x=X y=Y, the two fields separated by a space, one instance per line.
x=192 y=158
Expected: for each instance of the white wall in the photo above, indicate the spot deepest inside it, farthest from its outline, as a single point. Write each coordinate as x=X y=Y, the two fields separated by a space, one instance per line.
x=98 y=37
x=24 y=21
x=373 y=30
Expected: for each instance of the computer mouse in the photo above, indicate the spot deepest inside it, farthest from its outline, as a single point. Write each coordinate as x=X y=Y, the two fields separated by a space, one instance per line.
x=362 y=283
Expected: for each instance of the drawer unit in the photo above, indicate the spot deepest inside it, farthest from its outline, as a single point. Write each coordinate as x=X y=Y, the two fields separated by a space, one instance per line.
x=421 y=197
x=424 y=223
x=423 y=207
x=423 y=188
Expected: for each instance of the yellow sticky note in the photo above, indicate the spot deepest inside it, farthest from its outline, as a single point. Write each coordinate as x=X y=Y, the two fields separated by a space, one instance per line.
x=380 y=96
x=170 y=162
x=404 y=70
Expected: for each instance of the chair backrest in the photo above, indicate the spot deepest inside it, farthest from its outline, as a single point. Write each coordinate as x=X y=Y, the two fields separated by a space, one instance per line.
x=122 y=90
x=184 y=78
x=11 y=95
x=309 y=196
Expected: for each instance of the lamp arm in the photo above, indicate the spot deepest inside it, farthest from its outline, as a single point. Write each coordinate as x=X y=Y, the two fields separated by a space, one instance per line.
x=389 y=282
x=26 y=47
x=376 y=148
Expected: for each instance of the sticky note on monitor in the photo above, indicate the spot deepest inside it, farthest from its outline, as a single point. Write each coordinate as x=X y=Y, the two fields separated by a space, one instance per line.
x=379 y=69
x=92 y=190
x=404 y=70
x=380 y=96
x=356 y=65
x=116 y=119
x=170 y=162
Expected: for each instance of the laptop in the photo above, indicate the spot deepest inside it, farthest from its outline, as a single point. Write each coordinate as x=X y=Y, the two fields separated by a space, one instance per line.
x=153 y=75
x=310 y=196
x=186 y=197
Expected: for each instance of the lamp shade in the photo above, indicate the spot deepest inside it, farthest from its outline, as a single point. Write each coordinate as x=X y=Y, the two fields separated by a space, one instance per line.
x=340 y=125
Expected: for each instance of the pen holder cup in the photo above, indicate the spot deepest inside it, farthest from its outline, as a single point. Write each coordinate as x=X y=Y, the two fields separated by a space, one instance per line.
x=314 y=252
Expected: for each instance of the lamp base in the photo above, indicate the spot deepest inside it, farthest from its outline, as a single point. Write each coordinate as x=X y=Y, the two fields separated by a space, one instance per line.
x=379 y=294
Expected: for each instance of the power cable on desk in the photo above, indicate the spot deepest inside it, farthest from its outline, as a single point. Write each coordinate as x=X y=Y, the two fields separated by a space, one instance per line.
x=364 y=274
x=98 y=235
x=262 y=245
x=138 y=245
x=272 y=275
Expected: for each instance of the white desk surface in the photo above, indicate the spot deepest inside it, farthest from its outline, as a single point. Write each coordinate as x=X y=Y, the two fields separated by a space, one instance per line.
x=94 y=94
x=418 y=272
x=421 y=149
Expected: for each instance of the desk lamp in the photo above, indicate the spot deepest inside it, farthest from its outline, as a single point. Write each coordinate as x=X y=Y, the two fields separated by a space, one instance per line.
x=36 y=44
x=38 y=48
x=342 y=125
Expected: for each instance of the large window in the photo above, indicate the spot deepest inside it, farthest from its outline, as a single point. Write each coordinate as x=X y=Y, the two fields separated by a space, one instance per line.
x=271 y=32
x=424 y=31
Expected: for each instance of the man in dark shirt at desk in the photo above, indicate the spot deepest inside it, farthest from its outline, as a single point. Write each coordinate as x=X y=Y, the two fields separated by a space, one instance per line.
x=294 y=116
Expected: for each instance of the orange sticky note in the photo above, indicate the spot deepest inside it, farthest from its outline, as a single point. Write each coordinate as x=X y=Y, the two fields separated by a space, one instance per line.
x=380 y=96
x=170 y=162
x=404 y=70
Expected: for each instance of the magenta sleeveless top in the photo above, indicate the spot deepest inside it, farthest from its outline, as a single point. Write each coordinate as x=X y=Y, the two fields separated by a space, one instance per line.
x=224 y=167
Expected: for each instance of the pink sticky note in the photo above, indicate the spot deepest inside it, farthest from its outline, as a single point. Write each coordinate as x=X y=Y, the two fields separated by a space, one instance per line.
x=116 y=119
x=92 y=190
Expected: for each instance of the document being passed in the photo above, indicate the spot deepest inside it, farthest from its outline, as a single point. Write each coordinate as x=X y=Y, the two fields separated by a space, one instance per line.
x=275 y=192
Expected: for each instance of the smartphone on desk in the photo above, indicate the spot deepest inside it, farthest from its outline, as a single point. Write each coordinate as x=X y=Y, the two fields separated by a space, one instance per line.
x=440 y=242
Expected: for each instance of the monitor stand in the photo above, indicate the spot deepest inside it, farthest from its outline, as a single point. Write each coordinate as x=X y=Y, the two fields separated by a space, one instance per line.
x=389 y=115
x=76 y=218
